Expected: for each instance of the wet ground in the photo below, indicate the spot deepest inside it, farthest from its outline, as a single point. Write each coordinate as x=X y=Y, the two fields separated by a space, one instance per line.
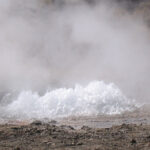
x=140 y=116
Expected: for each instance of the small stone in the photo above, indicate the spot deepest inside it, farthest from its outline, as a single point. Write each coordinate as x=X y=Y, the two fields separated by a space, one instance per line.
x=53 y=122
x=17 y=148
x=148 y=137
x=85 y=128
x=133 y=141
x=37 y=123
x=80 y=143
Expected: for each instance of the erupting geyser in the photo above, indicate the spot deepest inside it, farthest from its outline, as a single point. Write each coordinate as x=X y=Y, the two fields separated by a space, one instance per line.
x=47 y=47
x=93 y=99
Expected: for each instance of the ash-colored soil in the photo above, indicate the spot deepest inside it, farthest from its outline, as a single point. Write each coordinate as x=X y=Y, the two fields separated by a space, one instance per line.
x=128 y=131
x=47 y=136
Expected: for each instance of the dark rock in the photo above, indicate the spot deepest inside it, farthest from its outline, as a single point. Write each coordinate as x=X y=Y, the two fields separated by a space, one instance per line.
x=17 y=148
x=85 y=128
x=67 y=127
x=148 y=137
x=53 y=122
x=133 y=141
x=37 y=123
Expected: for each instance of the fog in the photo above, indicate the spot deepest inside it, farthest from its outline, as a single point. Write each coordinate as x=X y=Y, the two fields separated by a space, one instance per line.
x=45 y=45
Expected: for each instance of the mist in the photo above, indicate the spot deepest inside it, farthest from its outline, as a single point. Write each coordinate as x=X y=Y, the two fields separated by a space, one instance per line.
x=45 y=44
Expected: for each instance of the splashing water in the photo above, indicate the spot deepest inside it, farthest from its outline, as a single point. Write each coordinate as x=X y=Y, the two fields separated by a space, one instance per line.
x=93 y=99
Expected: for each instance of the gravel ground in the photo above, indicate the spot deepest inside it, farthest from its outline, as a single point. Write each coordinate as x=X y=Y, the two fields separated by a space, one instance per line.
x=52 y=135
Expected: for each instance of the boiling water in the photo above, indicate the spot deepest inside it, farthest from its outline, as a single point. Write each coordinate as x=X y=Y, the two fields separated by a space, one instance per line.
x=93 y=99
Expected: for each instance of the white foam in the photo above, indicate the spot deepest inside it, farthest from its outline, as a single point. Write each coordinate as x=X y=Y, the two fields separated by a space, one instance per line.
x=95 y=98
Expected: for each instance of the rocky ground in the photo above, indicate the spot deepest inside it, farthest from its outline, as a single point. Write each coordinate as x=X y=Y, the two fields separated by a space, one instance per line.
x=47 y=136
x=128 y=131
